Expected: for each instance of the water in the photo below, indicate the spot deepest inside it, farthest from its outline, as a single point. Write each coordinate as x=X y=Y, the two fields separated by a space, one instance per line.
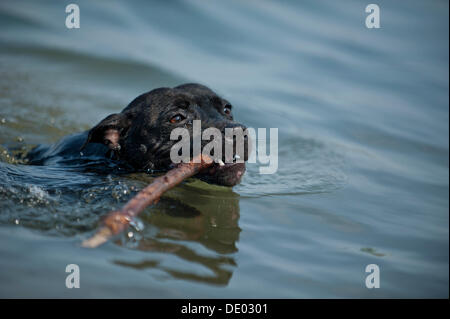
x=363 y=149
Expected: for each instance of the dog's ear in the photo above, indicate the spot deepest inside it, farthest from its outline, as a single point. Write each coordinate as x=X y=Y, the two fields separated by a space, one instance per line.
x=108 y=131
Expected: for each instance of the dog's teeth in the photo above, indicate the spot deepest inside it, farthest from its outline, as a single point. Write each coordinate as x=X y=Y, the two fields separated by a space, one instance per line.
x=221 y=163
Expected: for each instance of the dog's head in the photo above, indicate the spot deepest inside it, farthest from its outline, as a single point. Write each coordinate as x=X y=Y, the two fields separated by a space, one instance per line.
x=140 y=134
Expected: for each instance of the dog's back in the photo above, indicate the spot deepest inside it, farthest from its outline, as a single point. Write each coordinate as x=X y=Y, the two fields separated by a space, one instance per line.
x=67 y=151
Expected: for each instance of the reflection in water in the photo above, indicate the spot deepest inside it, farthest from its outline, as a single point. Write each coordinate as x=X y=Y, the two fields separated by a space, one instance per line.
x=212 y=223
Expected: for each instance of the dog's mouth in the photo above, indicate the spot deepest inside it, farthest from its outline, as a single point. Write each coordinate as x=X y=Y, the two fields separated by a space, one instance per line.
x=221 y=173
x=226 y=174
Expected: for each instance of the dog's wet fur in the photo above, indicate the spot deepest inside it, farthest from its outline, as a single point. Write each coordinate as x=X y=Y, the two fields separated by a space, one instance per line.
x=138 y=138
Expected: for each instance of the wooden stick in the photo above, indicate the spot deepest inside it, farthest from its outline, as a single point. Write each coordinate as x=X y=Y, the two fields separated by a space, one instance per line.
x=117 y=221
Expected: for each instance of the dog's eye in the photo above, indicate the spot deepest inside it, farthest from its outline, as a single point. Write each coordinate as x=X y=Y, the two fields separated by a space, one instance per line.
x=177 y=118
x=227 y=109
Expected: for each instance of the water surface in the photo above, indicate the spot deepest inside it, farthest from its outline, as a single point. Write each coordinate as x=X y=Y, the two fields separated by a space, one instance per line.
x=363 y=149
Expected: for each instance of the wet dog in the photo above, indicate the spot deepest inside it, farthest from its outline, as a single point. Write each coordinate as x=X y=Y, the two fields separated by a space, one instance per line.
x=138 y=138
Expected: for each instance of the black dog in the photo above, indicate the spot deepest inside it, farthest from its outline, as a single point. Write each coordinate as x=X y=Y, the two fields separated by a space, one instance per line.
x=138 y=138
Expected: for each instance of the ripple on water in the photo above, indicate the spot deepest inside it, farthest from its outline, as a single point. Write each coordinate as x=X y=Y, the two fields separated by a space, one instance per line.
x=58 y=201
x=306 y=166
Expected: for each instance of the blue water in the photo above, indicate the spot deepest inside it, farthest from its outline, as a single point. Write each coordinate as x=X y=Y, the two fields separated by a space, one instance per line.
x=363 y=173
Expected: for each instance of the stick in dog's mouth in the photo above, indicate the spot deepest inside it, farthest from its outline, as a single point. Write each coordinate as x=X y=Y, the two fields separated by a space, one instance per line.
x=117 y=221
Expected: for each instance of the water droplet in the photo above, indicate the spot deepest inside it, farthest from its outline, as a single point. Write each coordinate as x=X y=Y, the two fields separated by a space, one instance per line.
x=137 y=224
x=120 y=190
